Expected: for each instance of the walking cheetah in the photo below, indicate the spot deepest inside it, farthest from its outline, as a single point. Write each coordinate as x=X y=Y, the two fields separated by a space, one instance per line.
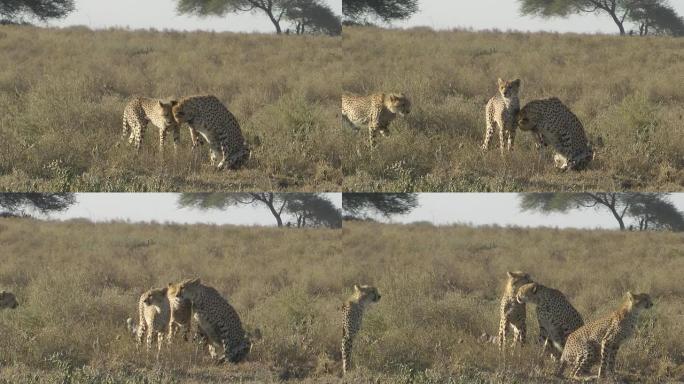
x=599 y=341
x=512 y=312
x=218 y=321
x=376 y=111
x=8 y=300
x=352 y=314
x=207 y=116
x=140 y=111
x=557 y=318
x=554 y=123
x=181 y=313
x=153 y=312
x=500 y=114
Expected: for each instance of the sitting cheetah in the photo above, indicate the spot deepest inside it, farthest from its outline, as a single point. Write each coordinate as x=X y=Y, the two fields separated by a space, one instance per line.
x=153 y=312
x=555 y=124
x=376 y=111
x=8 y=300
x=500 y=114
x=217 y=320
x=141 y=110
x=599 y=341
x=352 y=314
x=181 y=313
x=557 y=318
x=207 y=116
x=512 y=312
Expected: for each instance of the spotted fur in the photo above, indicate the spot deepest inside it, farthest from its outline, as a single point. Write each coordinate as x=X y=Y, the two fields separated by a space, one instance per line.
x=512 y=313
x=153 y=315
x=181 y=313
x=376 y=112
x=352 y=315
x=142 y=110
x=500 y=114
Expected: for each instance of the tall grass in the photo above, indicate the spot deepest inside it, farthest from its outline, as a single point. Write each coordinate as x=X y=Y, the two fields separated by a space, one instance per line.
x=626 y=91
x=62 y=94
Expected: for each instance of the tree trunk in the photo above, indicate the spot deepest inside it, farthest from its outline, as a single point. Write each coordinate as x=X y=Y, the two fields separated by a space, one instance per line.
x=617 y=21
x=275 y=22
x=269 y=203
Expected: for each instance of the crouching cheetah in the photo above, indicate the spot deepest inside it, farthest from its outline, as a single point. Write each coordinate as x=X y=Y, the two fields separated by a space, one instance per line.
x=557 y=318
x=512 y=312
x=140 y=111
x=555 y=124
x=217 y=320
x=599 y=341
x=352 y=314
x=8 y=300
x=153 y=314
x=500 y=114
x=376 y=111
x=180 y=315
x=207 y=116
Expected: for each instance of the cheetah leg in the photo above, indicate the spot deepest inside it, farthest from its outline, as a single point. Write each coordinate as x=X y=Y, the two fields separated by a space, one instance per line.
x=176 y=138
x=173 y=326
x=560 y=161
x=503 y=327
x=502 y=138
x=138 y=133
x=582 y=365
x=223 y=150
x=148 y=339
x=489 y=132
x=606 y=355
x=346 y=354
x=160 y=341
x=162 y=139
x=372 y=137
x=511 y=138
x=126 y=130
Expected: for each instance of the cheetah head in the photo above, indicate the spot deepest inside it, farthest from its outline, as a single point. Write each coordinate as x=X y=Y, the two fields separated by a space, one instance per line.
x=508 y=88
x=527 y=293
x=155 y=297
x=166 y=110
x=178 y=113
x=524 y=120
x=8 y=300
x=184 y=289
x=398 y=103
x=366 y=294
x=516 y=279
x=639 y=301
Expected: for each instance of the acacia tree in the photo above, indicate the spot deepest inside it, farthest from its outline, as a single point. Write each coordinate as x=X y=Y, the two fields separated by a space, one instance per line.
x=15 y=204
x=17 y=10
x=313 y=210
x=357 y=205
x=312 y=16
x=657 y=18
x=648 y=210
x=359 y=11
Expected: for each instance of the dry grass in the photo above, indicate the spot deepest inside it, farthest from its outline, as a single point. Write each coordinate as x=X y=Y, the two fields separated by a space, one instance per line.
x=77 y=283
x=440 y=290
x=626 y=91
x=62 y=94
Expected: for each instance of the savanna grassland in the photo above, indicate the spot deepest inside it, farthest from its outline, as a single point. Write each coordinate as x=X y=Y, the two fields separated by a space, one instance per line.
x=441 y=287
x=63 y=91
x=77 y=282
x=626 y=91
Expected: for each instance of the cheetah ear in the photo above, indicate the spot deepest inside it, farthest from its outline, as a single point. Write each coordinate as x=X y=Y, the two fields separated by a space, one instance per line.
x=174 y=103
x=509 y=273
x=161 y=103
x=356 y=288
x=516 y=83
x=500 y=82
x=534 y=287
x=630 y=295
x=393 y=97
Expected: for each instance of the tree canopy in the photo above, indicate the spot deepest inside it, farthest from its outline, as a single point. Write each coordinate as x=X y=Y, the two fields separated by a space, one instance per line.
x=385 y=204
x=18 y=203
x=312 y=16
x=653 y=17
x=646 y=210
x=361 y=11
x=17 y=10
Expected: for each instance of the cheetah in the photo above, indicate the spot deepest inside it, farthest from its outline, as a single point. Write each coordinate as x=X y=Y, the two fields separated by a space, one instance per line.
x=500 y=114
x=557 y=318
x=376 y=111
x=599 y=341
x=554 y=124
x=352 y=314
x=512 y=312
x=218 y=321
x=8 y=300
x=181 y=313
x=154 y=312
x=208 y=117
x=140 y=111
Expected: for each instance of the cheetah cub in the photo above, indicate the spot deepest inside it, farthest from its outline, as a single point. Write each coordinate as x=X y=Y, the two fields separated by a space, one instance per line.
x=500 y=113
x=8 y=300
x=376 y=111
x=180 y=315
x=512 y=312
x=352 y=314
x=599 y=341
x=142 y=110
x=153 y=313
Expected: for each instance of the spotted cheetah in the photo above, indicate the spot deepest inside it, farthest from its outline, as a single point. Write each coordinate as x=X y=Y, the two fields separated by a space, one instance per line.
x=140 y=111
x=352 y=314
x=217 y=320
x=208 y=117
x=553 y=123
x=500 y=114
x=557 y=318
x=181 y=313
x=8 y=300
x=376 y=111
x=512 y=312
x=153 y=312
x=599 y=341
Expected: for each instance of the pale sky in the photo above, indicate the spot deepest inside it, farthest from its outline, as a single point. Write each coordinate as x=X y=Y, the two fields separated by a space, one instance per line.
x=162 y=208
x=503 y=209
x=161 y=14
x=505 y=15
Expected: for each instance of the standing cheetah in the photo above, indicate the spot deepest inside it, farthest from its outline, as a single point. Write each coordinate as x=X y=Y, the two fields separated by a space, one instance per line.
x=218 y=321
x=599 y=341
x=352 y=314
x=141 y=110
x=512 y=312
x=554 y=123
x=8 y=300
x=153 y=313
x=376 y=111
x=557 y=318
x=500 y=114
x=207 y=116
x=181 y=313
